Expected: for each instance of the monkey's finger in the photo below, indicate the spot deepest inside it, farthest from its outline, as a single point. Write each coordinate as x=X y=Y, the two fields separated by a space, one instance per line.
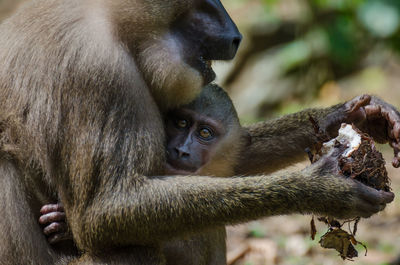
x=395 y=126
x=52 y=217
x=393 y=119
x=386 y=197
x=377 y=197
x=56 y=238
x=56 y=227
x=372 y=209
x=373 y=202
x=396 y=151
x=396 y=131
x=371 y=195
x=373 y=111
x=359 y=102
x=368 y=210
x=48 y=208
x=396 y=162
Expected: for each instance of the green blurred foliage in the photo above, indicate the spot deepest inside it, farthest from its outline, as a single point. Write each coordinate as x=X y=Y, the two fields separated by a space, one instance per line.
x=312 y=43
x=352 y=28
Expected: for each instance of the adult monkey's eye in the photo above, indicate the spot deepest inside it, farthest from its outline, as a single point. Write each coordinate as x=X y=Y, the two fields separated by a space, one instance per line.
x=181 y=123
x=205 y=133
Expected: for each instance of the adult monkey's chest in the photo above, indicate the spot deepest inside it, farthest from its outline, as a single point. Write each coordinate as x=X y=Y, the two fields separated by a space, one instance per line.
x=149 y=146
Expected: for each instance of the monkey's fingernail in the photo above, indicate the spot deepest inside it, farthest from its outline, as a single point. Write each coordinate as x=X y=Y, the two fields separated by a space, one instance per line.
x=396 y=131
x=396 y=162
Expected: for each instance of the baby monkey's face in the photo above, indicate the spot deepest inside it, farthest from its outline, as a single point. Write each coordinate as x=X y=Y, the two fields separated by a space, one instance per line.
x=192 y=139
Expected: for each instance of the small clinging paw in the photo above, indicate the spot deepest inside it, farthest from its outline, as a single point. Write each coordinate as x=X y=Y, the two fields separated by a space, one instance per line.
x=53 y=220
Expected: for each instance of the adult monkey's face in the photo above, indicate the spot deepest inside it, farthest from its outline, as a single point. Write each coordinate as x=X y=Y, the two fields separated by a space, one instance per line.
x=210 y=33
x=175 y=42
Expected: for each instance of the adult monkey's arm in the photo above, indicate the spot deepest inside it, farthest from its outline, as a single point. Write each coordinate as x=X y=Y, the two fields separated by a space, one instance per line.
x=281 y=142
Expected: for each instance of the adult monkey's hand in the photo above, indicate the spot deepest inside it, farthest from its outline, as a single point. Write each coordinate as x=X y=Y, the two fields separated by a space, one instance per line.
x=373 y=116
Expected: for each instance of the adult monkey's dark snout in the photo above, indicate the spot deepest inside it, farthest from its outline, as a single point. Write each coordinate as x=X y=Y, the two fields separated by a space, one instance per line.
x=224 y=40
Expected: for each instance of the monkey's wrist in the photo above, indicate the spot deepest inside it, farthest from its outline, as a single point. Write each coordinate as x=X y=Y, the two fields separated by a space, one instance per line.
x=337 y=115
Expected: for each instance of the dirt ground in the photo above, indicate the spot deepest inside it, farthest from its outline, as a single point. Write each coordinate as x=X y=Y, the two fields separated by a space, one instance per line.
x=286 y=239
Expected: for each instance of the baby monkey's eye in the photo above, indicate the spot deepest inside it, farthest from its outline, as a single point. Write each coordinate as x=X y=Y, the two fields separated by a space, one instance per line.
x=205 y=133
x=181 y=123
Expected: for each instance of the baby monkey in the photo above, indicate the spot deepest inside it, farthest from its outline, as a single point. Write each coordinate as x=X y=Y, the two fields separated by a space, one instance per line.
x=203 y=138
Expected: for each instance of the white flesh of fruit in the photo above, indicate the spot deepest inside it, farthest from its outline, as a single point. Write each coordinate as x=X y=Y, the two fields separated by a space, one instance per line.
x=347 y=136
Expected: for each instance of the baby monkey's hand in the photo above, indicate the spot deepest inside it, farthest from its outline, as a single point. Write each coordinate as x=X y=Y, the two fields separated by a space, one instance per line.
x=54 y=222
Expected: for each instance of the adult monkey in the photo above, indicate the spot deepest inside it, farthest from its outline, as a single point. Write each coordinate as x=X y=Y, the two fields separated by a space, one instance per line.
x=82 y=87
x=80 y=81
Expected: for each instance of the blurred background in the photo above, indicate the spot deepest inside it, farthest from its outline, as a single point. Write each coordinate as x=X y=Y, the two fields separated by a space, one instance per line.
x=309 y=53
x=313 y=53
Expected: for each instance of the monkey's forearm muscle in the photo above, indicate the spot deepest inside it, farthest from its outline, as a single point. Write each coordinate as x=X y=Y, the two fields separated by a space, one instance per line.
x=280 y=142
